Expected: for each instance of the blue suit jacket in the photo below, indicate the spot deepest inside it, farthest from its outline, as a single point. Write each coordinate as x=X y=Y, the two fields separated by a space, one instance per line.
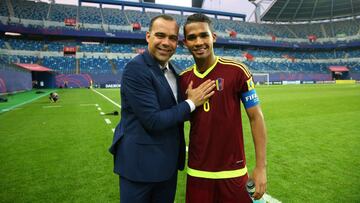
x=148 y=144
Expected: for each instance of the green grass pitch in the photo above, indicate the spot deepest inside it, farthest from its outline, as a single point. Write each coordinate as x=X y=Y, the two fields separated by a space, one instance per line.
x=58 y=152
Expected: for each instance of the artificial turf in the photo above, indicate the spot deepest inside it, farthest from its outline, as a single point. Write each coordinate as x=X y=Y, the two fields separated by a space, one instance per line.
x=58 y=152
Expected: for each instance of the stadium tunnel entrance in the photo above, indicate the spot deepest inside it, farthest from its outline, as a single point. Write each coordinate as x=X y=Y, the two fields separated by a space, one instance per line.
x=339 y=72
x=41 y=77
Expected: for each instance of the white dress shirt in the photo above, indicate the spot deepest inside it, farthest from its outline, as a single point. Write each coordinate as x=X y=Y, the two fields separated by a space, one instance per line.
x=171 y=79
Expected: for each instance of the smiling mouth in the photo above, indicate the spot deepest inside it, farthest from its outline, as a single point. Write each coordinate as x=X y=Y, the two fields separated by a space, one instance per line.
x=165 y=51
x=199 y=50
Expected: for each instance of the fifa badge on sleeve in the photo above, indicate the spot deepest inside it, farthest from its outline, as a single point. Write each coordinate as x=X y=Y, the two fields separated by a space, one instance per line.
x=250 y=84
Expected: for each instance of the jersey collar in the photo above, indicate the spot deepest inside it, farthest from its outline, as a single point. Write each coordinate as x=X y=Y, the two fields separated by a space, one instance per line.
x=202 y=75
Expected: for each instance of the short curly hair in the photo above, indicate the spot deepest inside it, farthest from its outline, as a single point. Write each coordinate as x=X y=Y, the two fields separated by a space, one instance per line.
x=198 y=18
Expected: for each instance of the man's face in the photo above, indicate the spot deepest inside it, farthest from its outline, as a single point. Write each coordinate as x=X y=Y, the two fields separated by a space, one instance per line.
x=162 y=39
x=199 y=40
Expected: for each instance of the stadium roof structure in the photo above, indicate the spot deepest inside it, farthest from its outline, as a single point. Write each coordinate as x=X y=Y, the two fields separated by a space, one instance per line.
x=338 y=68
x=311 y=10
x=144 y=5
x=34 y=67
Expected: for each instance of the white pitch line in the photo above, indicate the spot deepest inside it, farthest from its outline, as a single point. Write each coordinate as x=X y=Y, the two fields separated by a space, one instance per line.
x=99 y=108
x=107 y=121
x=107 y=98
x=4 y=110
x=26 y=102
x=46 y=107
x=96 y=104
x=87 y=104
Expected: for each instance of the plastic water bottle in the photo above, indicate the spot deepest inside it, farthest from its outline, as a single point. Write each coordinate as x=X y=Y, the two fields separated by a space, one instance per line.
x=250 y=187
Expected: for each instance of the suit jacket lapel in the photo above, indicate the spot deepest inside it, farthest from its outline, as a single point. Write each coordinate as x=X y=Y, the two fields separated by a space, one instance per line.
x=154 y=65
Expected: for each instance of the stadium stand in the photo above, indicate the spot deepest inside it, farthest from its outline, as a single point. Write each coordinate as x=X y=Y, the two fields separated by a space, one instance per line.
x=64 y=65
x=11 y=59
x=90 y=15
x=59 y=12
x=98 y=19
x=30 y=45
x=30 y=9
x=92 y=48
x=4 y=9
x=137 y=17
x=2 y=43
x=120 y=48
x=95 y=65
x=120 y=63
x=114 y=16
x=58 y=46
x=265 y=48
x=93 y=58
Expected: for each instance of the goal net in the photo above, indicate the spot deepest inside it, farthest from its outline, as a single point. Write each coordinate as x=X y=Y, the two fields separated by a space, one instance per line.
x=261 y=78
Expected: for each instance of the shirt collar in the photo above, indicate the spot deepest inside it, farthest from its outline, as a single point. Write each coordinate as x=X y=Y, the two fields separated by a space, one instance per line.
x=202 y=75
x=165 y=67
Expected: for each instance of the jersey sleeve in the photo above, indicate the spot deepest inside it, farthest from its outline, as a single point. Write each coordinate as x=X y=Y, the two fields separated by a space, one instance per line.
x=247 y=89
x=184 y=81
x=183 y=85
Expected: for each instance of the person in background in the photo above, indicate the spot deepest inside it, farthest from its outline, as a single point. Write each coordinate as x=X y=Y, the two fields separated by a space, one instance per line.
x=216 y=166
x=54 y=97
x=148 y=145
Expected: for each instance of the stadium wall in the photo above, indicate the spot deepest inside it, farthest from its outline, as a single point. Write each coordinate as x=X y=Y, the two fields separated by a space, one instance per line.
x=355 y=76
x=13 y=79
x=300 y=76
x=104 y=80
x=278 y=78
x=73 y=80
x=114 y=80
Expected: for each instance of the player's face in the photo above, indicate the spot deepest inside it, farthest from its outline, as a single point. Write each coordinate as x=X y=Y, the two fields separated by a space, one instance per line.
x=162 y=39
x=199 y=40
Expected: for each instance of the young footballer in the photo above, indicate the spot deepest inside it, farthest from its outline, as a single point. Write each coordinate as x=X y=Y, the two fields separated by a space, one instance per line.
x=217 y=167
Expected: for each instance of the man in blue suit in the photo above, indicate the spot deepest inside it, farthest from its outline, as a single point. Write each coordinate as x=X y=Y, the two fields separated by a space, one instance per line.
x=148 y=144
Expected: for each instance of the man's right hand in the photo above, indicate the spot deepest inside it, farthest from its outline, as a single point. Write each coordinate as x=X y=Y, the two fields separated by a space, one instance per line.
x=200 y=94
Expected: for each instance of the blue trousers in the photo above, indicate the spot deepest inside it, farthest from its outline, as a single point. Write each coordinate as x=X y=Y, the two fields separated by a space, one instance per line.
x=145 y=192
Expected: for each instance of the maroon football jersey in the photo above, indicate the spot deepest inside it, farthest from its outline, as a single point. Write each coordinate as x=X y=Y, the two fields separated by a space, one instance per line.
x=216 y=136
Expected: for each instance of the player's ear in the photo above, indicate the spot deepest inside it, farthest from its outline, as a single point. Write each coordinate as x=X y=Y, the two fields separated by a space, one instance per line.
x=147 y=36
x=214 y=36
